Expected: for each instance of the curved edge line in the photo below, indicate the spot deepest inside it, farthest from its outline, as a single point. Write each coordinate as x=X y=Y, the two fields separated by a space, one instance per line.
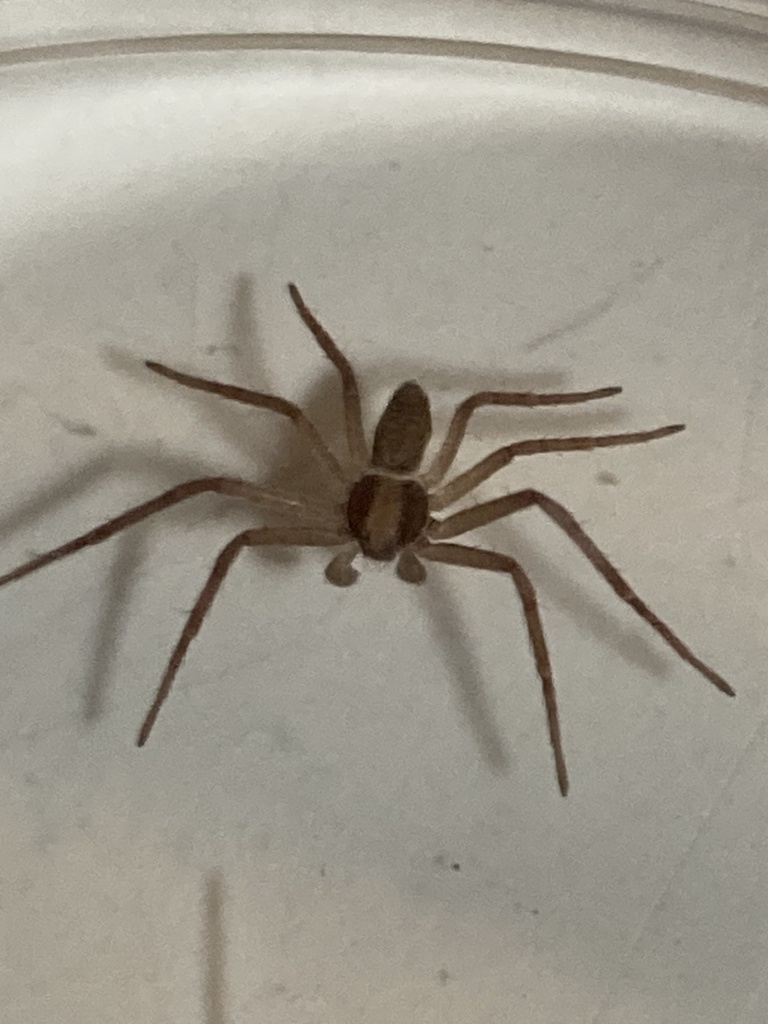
x=506 y=53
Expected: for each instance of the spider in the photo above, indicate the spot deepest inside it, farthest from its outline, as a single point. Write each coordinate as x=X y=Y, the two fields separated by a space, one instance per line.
x=387 y=508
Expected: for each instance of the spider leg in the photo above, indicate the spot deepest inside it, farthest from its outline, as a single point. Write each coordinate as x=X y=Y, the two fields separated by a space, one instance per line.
x=457 y=428
x=260 y=401
x=479 y=558
x=472 y=478
x=488 y=512
x=211 y=484
x=294 y=536
x=353 y=413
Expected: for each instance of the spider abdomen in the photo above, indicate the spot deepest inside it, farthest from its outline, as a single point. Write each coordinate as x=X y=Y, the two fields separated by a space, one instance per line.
x=385 y=514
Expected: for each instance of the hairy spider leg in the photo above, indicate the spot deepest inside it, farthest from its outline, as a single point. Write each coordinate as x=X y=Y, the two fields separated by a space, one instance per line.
x=465 y=482
x=260 y=401
x=479 y=558
x=457 y=428
x=490 y=511
x=288 y=536
x=228 y=486
x=353 y=414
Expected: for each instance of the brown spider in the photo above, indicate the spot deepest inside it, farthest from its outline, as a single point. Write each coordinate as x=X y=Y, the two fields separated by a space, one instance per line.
x=388 y=507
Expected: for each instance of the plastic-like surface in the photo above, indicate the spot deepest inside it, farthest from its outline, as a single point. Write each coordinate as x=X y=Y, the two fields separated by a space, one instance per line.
x=348 y=810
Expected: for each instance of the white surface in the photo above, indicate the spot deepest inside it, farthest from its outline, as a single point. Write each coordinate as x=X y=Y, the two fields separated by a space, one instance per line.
x=283 y=848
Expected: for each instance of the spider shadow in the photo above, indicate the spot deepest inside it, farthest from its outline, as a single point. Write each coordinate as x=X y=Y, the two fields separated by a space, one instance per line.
x=283 y=463
x=131 y=546
x=444 y=614
x=617 y=630
x=293 y=468
x=268 y=441
x=326 y=411
x=214 y=947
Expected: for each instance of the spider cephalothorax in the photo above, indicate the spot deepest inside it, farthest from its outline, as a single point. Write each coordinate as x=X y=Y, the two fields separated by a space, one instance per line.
x=388 y=508
x=386 y=514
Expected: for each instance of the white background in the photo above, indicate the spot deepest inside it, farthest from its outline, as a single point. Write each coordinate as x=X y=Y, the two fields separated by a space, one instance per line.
x=348 y=809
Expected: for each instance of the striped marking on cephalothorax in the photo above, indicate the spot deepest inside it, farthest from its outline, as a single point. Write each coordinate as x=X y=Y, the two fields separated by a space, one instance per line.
x=385 y=514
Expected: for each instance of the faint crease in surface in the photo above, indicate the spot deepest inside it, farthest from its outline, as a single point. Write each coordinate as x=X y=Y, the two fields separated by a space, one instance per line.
x=679 y=867
x=214 y=951
x=597 y=309
x=754 y=411
x=594 y=311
